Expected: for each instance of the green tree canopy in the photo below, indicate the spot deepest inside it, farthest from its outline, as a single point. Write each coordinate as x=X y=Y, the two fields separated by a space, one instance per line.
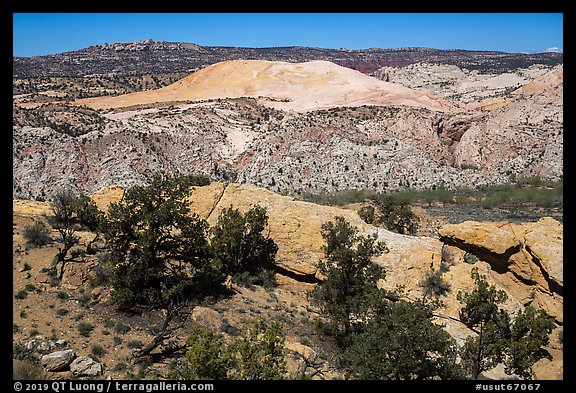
x=239 y=243
x=258 y=354
x=65 y=220
x=401 y=342
x=518 y=344
x=158 y=250
x=351 y=276
x=395 y=214
x=530 y=333
x=207 y=357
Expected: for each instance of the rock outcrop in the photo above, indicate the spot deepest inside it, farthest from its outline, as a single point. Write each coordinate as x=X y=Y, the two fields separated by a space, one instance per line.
x=527 y=257
x=525 y=260
x=288 y=86
x=59 y=360
x=84 y=366
x=505 y=250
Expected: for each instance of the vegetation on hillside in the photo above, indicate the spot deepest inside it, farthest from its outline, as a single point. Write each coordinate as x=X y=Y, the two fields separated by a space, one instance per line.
x=160 y=256
x=523 y=191
x=358 y=314
x=258 y=354
x=517 y=343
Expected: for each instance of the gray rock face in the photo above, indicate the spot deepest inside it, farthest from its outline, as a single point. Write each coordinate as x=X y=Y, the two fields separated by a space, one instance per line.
x=39 y=343
x=84 y=366
x=457 y=83
x=59 y=360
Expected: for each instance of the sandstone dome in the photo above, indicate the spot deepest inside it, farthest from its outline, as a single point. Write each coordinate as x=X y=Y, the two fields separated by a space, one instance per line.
x=287 y=86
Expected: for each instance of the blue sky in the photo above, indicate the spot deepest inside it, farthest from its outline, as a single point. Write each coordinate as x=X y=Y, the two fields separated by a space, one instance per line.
x=47 y=33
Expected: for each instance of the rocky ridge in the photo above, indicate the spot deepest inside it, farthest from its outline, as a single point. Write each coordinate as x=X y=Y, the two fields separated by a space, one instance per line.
x=525 y=260
x=460 y=84
x=160 y=57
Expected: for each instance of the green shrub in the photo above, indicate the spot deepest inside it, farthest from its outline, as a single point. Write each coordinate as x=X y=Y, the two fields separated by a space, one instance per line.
x=84 y=299
x=100 y=276
x=132 y=344
x=21 y=294
x=470 y=258
x=120 y=366
x=366 y=213
x=85 y=328
x=37 y=235
x=62 y=295
x=121 y=328
x=434 y=284
x=265 y=278
x=98 y=350
x=108 y=323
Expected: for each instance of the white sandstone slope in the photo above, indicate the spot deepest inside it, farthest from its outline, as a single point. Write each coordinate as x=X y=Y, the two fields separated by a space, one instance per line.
x=287 y=86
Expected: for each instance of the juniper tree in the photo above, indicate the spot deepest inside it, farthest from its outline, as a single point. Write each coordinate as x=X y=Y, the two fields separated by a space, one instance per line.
x=401 y=342
x=530 y=332
x=239 y=243
x=64 y=220
x=481 y=313
x=257 y=354
x=518 y=344
x=159 y=251
x=346 y=294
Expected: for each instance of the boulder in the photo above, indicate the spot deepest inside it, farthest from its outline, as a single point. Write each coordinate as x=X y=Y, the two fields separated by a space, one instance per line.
x=84 y=366
x=493 y=237
x=300 y=349
x=546 y=369
x=498 y=373
x=59 y=360
x=545 y=243
x=41 y=344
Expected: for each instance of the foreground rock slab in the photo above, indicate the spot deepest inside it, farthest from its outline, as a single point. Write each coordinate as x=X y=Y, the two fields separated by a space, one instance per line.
x=59 y=360
x=84 y=366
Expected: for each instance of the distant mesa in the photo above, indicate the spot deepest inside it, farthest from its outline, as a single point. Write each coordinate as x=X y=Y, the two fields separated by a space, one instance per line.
x=300 y=87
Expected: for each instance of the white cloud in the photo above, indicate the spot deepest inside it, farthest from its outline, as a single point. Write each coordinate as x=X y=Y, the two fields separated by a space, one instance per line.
x=554 y=50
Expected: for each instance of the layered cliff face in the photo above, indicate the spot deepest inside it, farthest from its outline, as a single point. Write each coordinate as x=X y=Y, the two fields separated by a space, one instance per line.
x=397 y=138
x=525 y=260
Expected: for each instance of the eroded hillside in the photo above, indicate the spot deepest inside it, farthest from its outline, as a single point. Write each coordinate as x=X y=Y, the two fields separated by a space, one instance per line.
x=386 y=145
